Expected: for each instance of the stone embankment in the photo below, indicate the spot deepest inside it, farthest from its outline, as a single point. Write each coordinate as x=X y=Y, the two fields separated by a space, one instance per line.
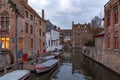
x=108 y=58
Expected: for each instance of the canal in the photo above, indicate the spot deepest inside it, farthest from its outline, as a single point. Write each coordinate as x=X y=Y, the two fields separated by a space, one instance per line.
x=74 y=66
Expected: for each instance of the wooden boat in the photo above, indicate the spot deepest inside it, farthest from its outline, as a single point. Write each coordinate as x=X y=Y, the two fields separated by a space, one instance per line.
x=42 y=59
x=57 y=54
x=16 y=75
x=45 y=66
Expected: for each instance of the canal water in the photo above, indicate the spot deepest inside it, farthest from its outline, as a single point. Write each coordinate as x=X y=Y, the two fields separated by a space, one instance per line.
x=74 y=66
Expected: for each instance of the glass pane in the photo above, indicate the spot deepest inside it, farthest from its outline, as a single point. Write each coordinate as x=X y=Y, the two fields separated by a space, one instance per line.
x=7 y=39
x=3 y=44
x=7 y=45
x=3 y=38
x=2 y=18
x=7 y=18
x=2 y=24
x=0 y=6
x=7 y=24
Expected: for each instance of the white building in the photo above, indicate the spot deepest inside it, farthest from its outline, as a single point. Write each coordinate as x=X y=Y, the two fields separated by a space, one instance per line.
x=48 y=41
x=52 y=37
x=67 y=35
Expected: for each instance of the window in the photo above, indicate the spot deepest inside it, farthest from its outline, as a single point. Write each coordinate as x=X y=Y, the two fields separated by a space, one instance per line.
x=40 y=32
x=108 y=19
x=31 y=43
x=49 y=42
x=116 y=43
x=31 y=17
x=31 y=29
x=108 y=43
x=40 y=44
x=40 y=22
x=43 y=34
x=43 y=43
x=20 y=43
x=26 y=14
x=5 y=40
x=0 y=6
x=5 y=22
x=26 y=27
x=116 y=14
x=75 y=34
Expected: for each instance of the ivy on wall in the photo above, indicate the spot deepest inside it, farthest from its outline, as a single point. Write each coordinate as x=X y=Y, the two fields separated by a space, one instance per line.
x=13 y=6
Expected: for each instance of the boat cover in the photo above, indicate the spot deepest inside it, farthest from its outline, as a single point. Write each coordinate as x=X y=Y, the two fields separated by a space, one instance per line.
x=48 y=63
x=15 y=75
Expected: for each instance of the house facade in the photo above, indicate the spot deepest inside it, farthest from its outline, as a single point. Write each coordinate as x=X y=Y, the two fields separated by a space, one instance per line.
x=112 y=34
x=79 y=33
x=22 y=30
x=112 y=22
x=52 y=37
x=67 y=38
x=67 y=34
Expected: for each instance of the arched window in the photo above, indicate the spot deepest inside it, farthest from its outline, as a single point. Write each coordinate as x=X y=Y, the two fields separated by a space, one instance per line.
x=5 y=20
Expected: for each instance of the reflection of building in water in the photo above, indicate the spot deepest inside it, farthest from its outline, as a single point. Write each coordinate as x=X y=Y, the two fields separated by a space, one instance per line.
x=67 y=57
x=77 y=60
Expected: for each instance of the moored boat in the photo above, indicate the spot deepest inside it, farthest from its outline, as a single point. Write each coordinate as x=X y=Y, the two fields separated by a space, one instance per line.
x=45 y=66
x=16 y=75
x=42 y=59
x=57 y=54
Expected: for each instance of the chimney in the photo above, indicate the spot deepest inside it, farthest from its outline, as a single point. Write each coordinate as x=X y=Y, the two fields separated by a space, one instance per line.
x=72 y=23
x=43 y=17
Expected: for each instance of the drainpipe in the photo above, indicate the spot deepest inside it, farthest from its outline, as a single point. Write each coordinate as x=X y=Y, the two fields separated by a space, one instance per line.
x=34 y=38
x=17 y=40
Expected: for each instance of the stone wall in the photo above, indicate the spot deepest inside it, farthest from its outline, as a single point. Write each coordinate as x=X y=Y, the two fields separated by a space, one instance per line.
x=93 y=53
x=112 y=60
x=106 y=57
x=4 y=60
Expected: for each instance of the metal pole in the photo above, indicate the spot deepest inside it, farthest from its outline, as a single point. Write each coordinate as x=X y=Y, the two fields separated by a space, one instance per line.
x=16 y=40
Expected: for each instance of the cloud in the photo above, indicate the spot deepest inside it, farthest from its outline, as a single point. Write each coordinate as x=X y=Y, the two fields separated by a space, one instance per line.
x=63 y=12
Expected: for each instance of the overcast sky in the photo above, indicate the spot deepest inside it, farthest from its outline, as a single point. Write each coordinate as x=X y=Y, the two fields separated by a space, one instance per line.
x=63 y=12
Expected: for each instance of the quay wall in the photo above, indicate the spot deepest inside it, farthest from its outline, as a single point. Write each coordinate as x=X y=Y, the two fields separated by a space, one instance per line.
x=105 y=57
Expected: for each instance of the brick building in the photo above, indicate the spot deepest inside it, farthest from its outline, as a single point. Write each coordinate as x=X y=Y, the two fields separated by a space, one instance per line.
x=79 y=33
x=112 y=34
x=112 y=24
x=19 y=22
x=61 y=36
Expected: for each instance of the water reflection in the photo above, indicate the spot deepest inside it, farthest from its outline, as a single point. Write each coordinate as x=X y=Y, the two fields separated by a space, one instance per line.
x=71 y=67
x=99 y=72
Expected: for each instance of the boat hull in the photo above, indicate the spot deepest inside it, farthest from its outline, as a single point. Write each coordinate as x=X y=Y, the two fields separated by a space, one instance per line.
x=45 y=69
